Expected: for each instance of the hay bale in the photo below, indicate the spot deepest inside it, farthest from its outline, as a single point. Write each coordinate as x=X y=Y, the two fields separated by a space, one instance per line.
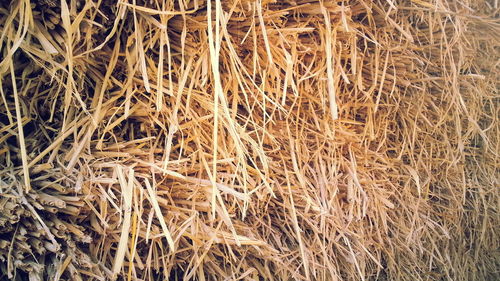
x=238 y=140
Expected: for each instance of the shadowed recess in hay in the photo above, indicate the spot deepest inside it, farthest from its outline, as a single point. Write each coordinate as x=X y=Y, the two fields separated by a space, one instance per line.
x=249 y=140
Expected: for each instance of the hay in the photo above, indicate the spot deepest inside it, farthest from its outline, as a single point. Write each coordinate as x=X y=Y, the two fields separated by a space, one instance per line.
x=247 y=140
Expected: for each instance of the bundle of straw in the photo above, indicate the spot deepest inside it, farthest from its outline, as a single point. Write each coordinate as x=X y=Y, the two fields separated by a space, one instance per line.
x=249 y=140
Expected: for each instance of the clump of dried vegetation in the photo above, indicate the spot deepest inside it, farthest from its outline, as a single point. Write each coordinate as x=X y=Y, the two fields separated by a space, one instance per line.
x=249 y=140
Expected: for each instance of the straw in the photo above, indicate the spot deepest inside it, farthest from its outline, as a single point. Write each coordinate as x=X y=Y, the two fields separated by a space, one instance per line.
x=249 y=140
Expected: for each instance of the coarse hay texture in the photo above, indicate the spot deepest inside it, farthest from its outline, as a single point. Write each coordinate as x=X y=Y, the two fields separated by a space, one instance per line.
x=249 y=140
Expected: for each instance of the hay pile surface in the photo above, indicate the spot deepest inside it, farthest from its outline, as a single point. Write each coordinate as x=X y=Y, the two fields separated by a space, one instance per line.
x=249 y=140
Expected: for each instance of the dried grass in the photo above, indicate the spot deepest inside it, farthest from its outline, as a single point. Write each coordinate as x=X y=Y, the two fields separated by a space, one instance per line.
x=249 y=140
